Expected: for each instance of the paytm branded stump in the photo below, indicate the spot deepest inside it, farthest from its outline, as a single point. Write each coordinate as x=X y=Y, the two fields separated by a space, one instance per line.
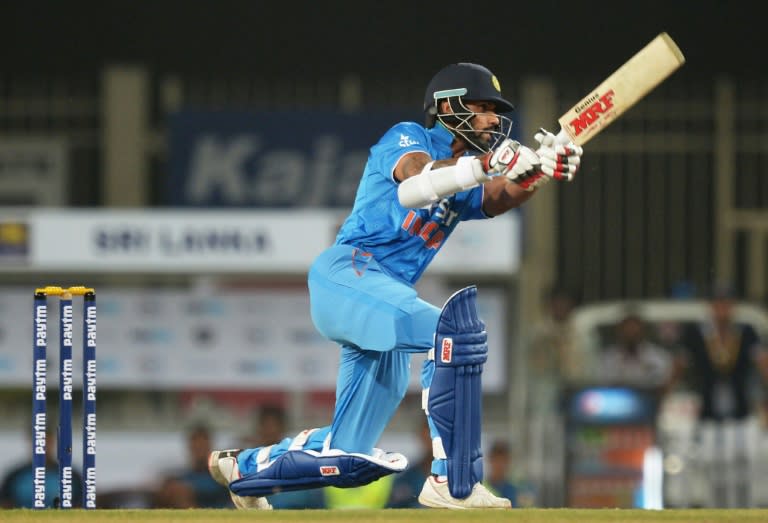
x=64 y=295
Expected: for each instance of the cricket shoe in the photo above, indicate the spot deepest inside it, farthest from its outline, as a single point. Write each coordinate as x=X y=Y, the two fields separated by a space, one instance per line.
x=435 y=494
x=222 y=465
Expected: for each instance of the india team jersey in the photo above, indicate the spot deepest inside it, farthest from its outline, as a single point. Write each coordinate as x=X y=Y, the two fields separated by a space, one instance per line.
x=404 y=241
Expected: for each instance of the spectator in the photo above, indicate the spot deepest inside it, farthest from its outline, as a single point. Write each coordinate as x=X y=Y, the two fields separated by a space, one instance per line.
x=553 y=362
x=192 y=486
x=497 y=478
x=551 y=356
x=173 y=493
x=16 y=489
x=634 y=360
x=724 y=358
x=270 y=426
x=407 y=484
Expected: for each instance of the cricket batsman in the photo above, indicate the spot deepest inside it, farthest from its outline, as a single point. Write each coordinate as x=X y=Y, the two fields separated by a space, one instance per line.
x=419 y=183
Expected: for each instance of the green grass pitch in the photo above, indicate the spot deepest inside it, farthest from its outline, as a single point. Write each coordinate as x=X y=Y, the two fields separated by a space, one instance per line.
x=394 y=516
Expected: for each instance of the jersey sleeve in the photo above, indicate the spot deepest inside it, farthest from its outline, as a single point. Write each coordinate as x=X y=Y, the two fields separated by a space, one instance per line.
x=401 y=139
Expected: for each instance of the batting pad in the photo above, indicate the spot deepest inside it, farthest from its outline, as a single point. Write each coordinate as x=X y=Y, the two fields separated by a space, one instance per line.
x=307 y=469
x=455 y=395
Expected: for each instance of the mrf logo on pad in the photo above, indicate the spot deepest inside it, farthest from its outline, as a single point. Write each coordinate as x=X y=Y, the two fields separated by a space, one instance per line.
x=446 y=350
x=329 y=471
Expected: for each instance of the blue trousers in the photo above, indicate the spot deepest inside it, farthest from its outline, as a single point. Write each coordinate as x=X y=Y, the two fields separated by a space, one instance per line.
x=378 y=321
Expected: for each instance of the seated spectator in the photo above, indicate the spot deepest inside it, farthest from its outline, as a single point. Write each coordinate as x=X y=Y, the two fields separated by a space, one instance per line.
x=193 y=486
x=270 y=424
x=16 y=488
x=633 y=359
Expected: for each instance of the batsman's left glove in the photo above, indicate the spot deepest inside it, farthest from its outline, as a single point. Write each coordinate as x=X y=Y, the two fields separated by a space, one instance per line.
x=517 y=163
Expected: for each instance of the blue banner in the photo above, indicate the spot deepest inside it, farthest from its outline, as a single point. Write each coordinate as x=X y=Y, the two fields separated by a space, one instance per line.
x=307 y=158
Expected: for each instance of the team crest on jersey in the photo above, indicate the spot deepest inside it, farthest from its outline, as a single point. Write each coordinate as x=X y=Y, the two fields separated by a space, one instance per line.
x=407 y=141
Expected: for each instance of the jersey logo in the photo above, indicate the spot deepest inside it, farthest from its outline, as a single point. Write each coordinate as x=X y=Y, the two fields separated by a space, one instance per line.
x=360 y=261
x=407 y=141
x=495 y=82
x=330 y=471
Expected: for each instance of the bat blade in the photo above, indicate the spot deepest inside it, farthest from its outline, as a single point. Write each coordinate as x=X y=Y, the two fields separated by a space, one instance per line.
x=622 y=89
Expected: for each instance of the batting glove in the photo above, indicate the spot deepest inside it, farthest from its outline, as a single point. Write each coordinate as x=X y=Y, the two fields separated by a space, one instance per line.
x=558 y=160
x=517 y=162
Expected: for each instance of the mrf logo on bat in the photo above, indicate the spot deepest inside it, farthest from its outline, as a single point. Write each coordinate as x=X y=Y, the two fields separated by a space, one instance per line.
x=592 y=113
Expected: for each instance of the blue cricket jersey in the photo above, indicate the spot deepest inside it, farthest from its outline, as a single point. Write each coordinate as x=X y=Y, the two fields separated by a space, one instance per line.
x=404 y=241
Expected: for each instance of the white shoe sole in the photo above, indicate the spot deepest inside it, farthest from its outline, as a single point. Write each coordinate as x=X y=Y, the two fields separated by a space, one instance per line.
x=430 y=497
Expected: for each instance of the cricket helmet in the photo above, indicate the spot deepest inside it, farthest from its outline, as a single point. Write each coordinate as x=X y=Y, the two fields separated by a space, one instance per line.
x=462 y=82
x=470 y=82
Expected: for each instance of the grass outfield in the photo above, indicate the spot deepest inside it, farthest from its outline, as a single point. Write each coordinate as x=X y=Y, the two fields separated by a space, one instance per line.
x=395 y=516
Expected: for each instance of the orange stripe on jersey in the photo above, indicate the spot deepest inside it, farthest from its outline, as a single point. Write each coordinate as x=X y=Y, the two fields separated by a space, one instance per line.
x=408 y=220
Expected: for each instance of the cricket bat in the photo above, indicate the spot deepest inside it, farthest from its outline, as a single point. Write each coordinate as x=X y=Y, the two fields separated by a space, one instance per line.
x=620 y=91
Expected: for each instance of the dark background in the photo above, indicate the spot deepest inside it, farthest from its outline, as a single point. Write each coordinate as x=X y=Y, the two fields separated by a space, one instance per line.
x=377 y=38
